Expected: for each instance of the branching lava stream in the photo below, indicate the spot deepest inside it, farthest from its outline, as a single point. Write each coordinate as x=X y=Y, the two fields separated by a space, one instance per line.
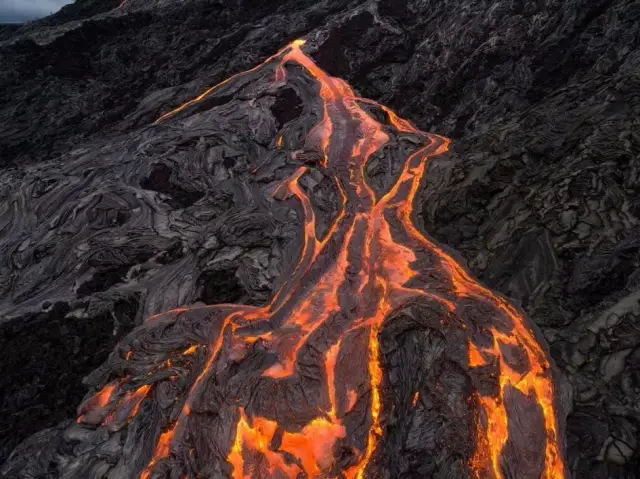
x=346 y=285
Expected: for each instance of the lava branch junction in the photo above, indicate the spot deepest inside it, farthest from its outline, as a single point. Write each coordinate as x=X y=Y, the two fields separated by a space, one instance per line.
x=346 y=285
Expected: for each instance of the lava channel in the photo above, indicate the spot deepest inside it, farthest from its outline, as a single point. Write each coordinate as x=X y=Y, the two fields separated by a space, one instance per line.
x=297 y=388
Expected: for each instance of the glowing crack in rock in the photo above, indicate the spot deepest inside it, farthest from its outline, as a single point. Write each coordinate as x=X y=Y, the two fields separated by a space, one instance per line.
x=371 y=262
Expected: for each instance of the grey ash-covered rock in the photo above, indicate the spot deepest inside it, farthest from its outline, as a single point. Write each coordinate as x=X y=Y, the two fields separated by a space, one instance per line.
x=106 y=220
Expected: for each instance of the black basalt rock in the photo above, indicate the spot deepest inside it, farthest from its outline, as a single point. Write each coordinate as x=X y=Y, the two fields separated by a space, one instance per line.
x=106 y=219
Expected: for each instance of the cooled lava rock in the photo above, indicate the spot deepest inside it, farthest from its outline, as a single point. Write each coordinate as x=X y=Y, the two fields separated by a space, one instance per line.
x=108 y=219
x=307 y=385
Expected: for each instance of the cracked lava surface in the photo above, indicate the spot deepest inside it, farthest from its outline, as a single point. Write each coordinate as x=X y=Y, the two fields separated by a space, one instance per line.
x=296 y=388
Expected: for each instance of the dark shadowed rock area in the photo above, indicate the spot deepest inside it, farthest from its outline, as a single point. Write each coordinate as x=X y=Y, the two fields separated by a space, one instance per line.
x=107 y=219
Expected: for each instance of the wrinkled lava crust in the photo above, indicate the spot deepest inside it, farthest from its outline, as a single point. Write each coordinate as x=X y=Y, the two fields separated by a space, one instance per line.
x=298 y=387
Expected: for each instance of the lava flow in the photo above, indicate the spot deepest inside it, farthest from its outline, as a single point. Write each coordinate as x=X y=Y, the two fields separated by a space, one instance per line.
x=297 y=388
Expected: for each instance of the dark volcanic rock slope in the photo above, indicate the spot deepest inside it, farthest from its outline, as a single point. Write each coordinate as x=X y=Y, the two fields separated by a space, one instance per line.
x=105 y=223
x=374 y=339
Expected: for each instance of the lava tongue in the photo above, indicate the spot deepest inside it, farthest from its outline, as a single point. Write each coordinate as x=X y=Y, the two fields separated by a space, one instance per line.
x=304 y=393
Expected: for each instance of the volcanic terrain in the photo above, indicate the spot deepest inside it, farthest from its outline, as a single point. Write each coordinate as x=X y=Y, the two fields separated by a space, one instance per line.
x=226 y=253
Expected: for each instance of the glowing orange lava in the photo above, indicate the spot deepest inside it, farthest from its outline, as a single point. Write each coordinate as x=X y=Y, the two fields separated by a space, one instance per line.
x=369 y=254
x=190 y=350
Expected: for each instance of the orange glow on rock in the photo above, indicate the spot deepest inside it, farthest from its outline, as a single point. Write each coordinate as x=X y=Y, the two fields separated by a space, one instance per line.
x=161 y=450
x=314 y=443
x=330 y=367
x=137 y=397
x=531 y=382
x=375 y=431
x=346 y=284
x=352 y=398
x=475 y=356
x=190 y=350
x=102 y=398
x=312 y=447
x=254 y=440
x=98 y=401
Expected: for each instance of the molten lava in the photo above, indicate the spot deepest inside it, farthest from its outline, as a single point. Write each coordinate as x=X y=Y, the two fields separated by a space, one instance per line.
x=345 y=284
